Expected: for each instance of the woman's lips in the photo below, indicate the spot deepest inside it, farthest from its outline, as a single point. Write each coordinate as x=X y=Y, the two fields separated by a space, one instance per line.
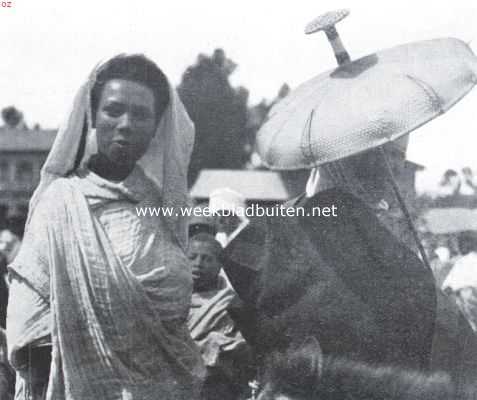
x=122 y=143
x=123 y=146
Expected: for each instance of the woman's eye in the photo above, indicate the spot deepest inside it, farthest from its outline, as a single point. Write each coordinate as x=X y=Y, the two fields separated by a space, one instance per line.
x=114 y=110
x=142 y=114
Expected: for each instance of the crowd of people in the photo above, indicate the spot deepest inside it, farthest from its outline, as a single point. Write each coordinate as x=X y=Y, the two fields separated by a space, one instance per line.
x=457 y=189
x=104 y=303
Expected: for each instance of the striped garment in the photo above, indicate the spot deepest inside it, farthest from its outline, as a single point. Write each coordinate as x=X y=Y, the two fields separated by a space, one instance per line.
x=111 y=288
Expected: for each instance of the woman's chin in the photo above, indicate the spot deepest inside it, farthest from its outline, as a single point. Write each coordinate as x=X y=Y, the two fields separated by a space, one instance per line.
x=112 y=166
x=122 y=160
x=123 y=164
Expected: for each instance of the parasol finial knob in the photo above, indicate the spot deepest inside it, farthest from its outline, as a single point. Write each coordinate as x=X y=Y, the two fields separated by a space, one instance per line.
x=326 y=22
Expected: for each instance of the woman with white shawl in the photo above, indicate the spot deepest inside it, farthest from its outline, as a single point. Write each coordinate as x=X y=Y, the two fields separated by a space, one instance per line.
x=100 y=294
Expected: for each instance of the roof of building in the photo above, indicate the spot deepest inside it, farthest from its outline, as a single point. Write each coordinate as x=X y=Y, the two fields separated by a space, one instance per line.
x=450 y=220
x=26 y=140
x=252 y=184
x=414 y=166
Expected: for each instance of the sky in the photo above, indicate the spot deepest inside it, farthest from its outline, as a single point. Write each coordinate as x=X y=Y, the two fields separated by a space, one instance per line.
x=50 y=46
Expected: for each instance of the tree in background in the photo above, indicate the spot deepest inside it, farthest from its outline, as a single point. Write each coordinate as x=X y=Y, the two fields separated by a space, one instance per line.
x=13 y=118
x=256 y=117
x=259 y=112
x=219 y=112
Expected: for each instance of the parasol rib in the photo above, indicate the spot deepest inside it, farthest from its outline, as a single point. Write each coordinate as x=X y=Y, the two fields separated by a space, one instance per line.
x=307 y=149
x=431 y=93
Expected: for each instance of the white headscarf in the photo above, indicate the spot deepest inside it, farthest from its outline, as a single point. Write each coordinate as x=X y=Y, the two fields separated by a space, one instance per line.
x=165 y=162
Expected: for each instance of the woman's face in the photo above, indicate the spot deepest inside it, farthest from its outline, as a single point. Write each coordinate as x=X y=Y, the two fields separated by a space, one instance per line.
x=125 y=121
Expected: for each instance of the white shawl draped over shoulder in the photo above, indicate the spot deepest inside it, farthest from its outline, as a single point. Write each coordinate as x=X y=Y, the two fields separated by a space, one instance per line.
x=117 y=318
x=115 y=328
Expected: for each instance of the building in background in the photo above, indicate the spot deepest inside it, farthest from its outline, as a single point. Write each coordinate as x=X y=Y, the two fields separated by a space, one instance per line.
x=257 y=186
x=271 y=187
x=406 y=179
x=22 y=154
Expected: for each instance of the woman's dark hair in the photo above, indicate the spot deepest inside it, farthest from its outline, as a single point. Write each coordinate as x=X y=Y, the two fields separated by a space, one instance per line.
x=135 y=68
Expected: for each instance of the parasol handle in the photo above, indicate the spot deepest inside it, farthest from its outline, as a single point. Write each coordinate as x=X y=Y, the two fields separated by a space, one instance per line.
x=405 y=210
x=326 y=23
x=341 y=55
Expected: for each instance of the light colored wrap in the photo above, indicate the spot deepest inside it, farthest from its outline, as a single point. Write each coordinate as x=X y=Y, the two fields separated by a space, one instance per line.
x=118 y=328
x=461 y=283
x=165 y=162
x=211 y=326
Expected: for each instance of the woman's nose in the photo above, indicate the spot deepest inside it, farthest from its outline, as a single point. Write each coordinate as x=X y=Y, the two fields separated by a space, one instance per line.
x=125 y=122
x=200 y=260
x=194 y=259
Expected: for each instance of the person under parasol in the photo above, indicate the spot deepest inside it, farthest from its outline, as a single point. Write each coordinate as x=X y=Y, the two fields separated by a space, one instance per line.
x=357 y=283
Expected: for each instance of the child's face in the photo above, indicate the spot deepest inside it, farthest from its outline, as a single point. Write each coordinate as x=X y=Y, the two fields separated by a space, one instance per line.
x=206 y=266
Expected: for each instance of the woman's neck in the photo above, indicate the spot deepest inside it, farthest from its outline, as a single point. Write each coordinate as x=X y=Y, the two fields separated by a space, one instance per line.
x=102 y=166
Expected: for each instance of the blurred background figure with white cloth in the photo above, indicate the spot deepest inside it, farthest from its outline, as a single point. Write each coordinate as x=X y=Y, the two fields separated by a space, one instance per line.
x=461 y=283
x=230 y=206
x=9 y=244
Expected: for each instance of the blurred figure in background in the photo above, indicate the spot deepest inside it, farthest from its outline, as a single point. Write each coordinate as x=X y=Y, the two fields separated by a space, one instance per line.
x=9 y=244
x=223 y=348
x=7 y=376
x=469 y=184
x=461 y=283
x=450 y=184
x=442 y=260
x=3 y=289
x=229 y=206
x=443 y=253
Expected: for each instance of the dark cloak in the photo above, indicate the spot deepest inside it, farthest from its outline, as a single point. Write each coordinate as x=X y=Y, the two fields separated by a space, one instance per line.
x=345 y=280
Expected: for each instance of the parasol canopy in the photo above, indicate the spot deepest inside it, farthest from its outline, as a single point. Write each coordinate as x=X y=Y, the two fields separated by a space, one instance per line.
x=364 y=103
